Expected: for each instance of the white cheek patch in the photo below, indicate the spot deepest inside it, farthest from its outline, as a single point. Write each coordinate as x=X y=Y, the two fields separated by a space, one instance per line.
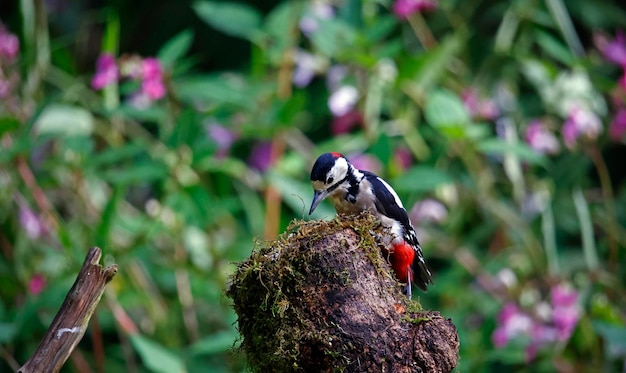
x=393 y=192
x=339 y=170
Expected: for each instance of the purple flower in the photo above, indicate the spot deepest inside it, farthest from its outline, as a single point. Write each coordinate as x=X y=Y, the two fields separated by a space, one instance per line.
x=261 y=156
x=106 y=72
x=540 y=139
x=307 y=65
x=346 y=122
x=478 y=107
x=580 y=123
x=223 y=137
x=31 y=222
x=152 y=75
x=565 y=310
x=617 y=129
x=404 y=158
x=335 y=76
x=343 y=100
x=428 y=210
x=554 y=322
x=154 y=89
x=512 y=322
x=309 y=23
x=9 y=44
x=36 y=284
x=406 y=8
x=151 y=69
x=615 y=50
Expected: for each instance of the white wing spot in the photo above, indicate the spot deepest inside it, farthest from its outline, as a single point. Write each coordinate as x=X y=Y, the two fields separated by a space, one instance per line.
x=393 y=192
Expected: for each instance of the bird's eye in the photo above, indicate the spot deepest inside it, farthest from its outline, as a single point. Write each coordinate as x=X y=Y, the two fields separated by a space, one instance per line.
x=330 y=180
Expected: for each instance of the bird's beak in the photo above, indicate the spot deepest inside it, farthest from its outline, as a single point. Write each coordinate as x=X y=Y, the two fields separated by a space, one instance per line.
x=317 y=198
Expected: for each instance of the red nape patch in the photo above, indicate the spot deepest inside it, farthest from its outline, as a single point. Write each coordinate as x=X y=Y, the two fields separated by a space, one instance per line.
x=336 y=154
x=401 y=260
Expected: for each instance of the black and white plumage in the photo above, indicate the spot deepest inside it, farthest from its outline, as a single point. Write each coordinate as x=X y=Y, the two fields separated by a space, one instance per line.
x=352 y=191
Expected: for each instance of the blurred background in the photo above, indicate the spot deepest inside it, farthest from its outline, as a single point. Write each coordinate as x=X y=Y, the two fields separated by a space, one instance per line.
x=176 y=134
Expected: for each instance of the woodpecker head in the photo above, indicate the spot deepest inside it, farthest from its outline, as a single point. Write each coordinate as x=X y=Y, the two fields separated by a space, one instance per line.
x=329 y=172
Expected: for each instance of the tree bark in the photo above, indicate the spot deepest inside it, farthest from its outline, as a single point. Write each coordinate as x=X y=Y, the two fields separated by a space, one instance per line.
x=322 y=298
x=70 y=323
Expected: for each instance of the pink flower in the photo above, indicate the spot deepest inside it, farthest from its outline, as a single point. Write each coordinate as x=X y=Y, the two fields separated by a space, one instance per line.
x=151 y=69
x=540 y=139
x=152 y=79
x=154 y=89
x=106 y=72
x=512 y=322
x=615 y=50
x=36 y=284
x=9 y=44
x=617 y=129
x=32 y=223
x=406 y=8
x=565 y=311
x=580 y=123
x=479 y=107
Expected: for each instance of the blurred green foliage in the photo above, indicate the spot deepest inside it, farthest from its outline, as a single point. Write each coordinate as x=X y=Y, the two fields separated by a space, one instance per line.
x=506 y=115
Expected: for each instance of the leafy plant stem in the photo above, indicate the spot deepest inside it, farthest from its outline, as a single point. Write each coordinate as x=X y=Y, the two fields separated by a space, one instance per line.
x=549 y=239
x=609 y=205
x=564 y=21
x=586 y=229
x=422 y=31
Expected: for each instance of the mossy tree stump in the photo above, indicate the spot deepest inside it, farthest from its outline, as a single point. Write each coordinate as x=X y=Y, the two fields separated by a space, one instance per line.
x=322 y=298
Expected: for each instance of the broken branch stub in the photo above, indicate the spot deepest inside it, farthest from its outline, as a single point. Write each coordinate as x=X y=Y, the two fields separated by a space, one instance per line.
x=70 y=323
x=322 y=298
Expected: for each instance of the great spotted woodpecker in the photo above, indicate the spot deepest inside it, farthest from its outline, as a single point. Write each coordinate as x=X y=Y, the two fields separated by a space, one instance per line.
x=352 y=191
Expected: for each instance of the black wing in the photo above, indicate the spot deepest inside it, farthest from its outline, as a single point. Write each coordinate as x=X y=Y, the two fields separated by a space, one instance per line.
x=387 y=205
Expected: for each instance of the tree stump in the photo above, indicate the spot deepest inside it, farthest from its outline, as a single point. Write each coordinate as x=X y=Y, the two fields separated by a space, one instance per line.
x=323 y=298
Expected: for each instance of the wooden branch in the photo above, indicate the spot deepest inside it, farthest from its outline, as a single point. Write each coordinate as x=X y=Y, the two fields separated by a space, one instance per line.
x=322 y=298
x=70 y=323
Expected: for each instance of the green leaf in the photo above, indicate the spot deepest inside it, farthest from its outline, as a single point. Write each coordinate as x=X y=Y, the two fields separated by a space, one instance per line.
x=215 y=344
x=65 y=120
x=614 y=337
x=420 y=74
x=8 y=124
x=215 y=89
x=521 y=150
x=422 y=179
x=144 y=172
x=334 y=37
x=175 y=48
x=554 y=47
x=7 y=332
x=118 y=154
x=236 y=19
x=444 y=109
x=156 y=357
